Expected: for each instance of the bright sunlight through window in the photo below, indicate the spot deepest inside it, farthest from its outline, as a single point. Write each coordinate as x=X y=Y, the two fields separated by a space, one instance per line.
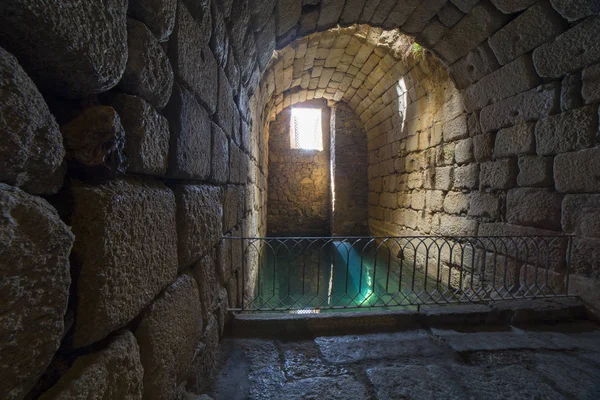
x=306 y=131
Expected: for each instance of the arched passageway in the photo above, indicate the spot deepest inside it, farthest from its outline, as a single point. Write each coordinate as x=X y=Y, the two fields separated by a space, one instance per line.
x=136 y=137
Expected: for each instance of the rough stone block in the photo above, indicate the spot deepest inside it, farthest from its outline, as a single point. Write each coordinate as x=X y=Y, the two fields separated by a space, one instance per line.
x=578 y=171
x=590 y=84
x=568 y=131
x=585 y=257
x=483 y=20
x=148 y=73
x=34 y=271
x=451 y=225
x=512 y=6
x=157 y=15
x=146 y=135
x=201 y=13
x=288 y=15
x=219 y=39
x=94 y=141
x=330 y=13
x=571 y=92
x=466 y=177
x=478 y=63
x=500 y=174
x=581 y=215
x=199 y=221
x=195 y=66
x=535 y=171
x=484 y=205
x=114 y=372
x=73 y=60
x=125 y=252
x=535 y=26
x=205 y=272
x=539 y=208
x=31 y=151
x=190 y=145
x=442 y=179
x=576 y=48
x=483 y=147
x=513 y=78
x=168 y=336
x=463 y=153
x=529 y=106
x=435 y=200
x=389 y=200
x=574 y=10
x=456 y=202
x=455 y=129
x=220 y=155
x=265 y=43
x=516 y=140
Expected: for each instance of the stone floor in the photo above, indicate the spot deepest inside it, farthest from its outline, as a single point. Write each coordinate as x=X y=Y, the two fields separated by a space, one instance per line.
x=549 y=362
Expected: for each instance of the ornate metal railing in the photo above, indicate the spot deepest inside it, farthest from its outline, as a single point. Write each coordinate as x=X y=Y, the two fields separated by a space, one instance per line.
x=305 y=274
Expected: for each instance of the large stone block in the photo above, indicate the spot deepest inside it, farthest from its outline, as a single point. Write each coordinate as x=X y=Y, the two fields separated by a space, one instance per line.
x=330 y=13
x=205 y=272
x=568 y=131
x=535 y=171
x=455 y=129
x=34 y=288
x=220 y=155
x=157 y=15
x=571 y=92
x=194 y=65
x=576 y=48
x=478 y=63
x=261 y=12
x=288 y=15
x=535 y=26
x=466 y=177
x=94 y=141
x=219 y=40
x=539 y=208
x=168 y=336
x=590 y=84
x=515 y=140
x=31 y=151
x=148 y=73
x=529 y=106
x=513 y=78
x=574 y=10
x=500 y=174
x=70 y=59
x=483 y=146
x=225 y=106
x=204 y=363
x=451 y=225
x=581 y=215
x=484 y=205
x=512 y=6
x=146 y=135
x=199 y=215
x=578 y=172
x=463 y=153
x=125 y=252
x=483 y=20
x=190 y=145
x=585 y=257
x=114 y=372
x=456 y=202
x=200 y=10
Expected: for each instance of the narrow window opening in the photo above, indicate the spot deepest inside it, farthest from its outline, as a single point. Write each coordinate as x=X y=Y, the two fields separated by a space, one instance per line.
x=306 y=130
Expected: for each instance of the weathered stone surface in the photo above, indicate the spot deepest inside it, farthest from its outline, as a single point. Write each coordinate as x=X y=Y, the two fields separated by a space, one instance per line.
x=465 y=5
x=31 y=152
x=535 y=171
x=483 y=146
x=577 y=9
x=94 y=142
x=581 y=215
x=483 y=20
x=574 y=49
x=34 y=288
x=125 y=252
x=466 y=177
x=343 y=387
x=111 y=373
x=585 y=257
x=532 y=105
x=590 y=84
x=146 y=135
x=70 y=59
x=193 y=64
x=456 y=202
x=261 y=12
x=484 y=205
x=199 y=214
x=578 y=171
x=265 y=43
x=157 y=15
x=203 y=366
x=451 y=225
x=571 y=92
x=205 y=272
x=219 y=40
x=168 y=336
x=190 y=145
x=220 y=155
x=330 y=13
x=568 y=131
x=478 y=63
x=288 y=15
x=516 y=140
x=500 y=174
x=148 y=73
x=201 y=12
x=463 y=153
x=225 y=105
x=515 y=77
x=512 y=6
x=535 y=26
x=534 y=207
x=455 y=129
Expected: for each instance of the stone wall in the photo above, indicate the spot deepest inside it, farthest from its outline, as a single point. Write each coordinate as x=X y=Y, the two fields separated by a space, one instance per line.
x=135 y=138
x=299 y=192
x=349 y=173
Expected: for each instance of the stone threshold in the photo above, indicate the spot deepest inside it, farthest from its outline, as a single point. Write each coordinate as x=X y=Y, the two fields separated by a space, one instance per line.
x=460 y=317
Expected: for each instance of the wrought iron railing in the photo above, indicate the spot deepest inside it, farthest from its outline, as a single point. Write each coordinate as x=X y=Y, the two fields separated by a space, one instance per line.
x=314 y=274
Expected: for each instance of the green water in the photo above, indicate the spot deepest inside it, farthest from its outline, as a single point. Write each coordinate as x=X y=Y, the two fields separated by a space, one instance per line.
x=339 y=276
